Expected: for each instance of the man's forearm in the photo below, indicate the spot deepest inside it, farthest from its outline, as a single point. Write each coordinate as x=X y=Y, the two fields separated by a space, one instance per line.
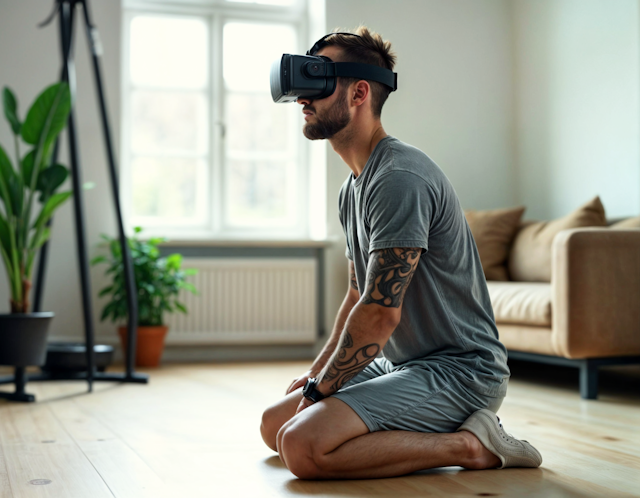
x=334 y=338
x=365 y=334
x=375 y=317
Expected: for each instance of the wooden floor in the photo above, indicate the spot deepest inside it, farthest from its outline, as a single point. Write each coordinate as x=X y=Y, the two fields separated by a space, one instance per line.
x=193 y=432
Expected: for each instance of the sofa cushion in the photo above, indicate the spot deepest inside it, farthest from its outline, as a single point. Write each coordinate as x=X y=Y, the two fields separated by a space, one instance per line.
x=524 y=303
x=530 y=256
x=527 y=338
x=628 y=223
x=493 y=232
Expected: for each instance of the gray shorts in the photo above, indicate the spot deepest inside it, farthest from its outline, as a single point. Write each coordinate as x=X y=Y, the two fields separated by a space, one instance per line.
x=419 y=397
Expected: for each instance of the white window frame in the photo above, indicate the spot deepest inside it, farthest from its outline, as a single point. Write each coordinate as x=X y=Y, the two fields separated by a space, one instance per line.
x=311 y=220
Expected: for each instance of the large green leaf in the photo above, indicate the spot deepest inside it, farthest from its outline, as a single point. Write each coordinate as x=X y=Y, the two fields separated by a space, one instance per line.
x=50 y=179
x=10 y=104
x=40 y=238
x=5 y=234
x=6 y=173
x=52 y=204
x=11 y=188
x=47 y=116
x=16 y=192
x=26 y=166
x=9 y=256
x=10 y=269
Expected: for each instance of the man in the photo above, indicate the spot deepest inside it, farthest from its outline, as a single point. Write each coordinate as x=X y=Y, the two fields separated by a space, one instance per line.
x=417 y=295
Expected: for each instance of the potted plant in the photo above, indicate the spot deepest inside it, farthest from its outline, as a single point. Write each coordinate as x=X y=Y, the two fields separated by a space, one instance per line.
x=158 y=282
x=28 y=199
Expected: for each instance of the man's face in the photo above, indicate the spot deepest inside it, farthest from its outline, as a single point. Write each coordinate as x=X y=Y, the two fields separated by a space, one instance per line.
x=326 y=117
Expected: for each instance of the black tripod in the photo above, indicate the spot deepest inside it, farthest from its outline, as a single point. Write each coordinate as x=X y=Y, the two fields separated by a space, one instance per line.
x=65 y=9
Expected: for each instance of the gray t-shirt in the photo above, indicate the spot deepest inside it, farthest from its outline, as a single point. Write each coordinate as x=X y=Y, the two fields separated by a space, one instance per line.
x=403 y=199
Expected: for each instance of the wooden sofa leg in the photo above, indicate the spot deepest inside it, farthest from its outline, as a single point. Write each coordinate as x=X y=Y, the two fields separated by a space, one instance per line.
x=588 y=380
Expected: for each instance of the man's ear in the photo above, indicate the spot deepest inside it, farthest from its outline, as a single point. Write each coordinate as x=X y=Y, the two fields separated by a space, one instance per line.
x=360 y=93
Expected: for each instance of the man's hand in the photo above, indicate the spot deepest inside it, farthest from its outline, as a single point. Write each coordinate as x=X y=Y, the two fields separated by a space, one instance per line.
x=299 y=382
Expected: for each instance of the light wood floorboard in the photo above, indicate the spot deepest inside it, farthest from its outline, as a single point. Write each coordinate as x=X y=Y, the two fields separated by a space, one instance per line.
x=194 y=432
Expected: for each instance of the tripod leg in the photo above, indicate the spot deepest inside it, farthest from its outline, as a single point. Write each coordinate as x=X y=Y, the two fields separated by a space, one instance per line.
x=132 y=304
x=20 y=381
x=66 y=29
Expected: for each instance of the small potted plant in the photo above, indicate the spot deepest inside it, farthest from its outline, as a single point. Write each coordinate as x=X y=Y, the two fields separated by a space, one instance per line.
x=28 y=199
x=158 y=281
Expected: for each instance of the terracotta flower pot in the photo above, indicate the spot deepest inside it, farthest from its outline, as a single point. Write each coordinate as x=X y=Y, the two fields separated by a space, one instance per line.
x=150 y=344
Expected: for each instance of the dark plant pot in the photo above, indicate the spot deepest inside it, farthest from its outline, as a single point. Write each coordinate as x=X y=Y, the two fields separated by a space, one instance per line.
x=71 y=357
x=23 y=338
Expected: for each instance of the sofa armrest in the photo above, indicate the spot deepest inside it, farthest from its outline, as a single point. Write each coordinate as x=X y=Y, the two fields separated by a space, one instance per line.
x=595 y=292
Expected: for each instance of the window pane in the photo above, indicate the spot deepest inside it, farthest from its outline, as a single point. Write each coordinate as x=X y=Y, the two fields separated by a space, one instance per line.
x=169 y=121
x=166 y=187
x=169 y=52
x=260 y=192
x=254 y=122
x=248 y=51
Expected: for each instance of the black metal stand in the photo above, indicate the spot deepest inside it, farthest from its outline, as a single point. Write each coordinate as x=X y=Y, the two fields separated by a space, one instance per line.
x=20 y=380
x=588 y=367
x=65 y=9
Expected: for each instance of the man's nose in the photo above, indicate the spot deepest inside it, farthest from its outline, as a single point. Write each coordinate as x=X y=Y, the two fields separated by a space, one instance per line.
x=304 y=101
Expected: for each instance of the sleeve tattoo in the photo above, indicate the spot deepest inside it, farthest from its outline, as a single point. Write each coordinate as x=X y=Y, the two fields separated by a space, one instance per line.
x=352 y=276
x=347 y=364
x=389 y=274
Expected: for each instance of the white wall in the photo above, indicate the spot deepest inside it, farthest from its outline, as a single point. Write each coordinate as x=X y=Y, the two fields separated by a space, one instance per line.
x=577 y=80
x=454 y=99
x=29 y=61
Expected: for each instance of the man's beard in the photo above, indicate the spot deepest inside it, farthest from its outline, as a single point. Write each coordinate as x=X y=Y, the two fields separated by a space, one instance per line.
x=336 y=118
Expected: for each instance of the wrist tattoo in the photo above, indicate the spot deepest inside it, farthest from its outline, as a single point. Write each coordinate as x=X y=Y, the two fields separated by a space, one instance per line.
x=389 y=274
x=347 y=363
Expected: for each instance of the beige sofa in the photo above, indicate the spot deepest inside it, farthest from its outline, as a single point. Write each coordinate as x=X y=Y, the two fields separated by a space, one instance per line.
x=588 y=315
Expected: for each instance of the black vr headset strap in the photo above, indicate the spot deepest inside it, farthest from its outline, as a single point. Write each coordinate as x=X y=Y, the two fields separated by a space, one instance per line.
x=321 y=43
x=364 y=72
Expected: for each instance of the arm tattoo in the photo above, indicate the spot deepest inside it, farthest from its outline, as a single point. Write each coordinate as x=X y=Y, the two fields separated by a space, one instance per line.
x=352 y=274
x=389 y=274
x=347 y=364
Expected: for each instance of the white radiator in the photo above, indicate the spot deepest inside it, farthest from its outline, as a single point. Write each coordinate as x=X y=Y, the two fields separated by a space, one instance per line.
x=248 y=301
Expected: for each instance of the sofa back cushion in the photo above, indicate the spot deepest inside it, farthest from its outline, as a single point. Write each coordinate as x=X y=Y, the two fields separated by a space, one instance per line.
x=530 y=256
x=522 y=303
x=493 y=232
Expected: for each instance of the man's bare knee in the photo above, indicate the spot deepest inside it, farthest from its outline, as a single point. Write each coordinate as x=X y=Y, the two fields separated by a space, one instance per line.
x=276 y=416
x=269 y=427
x=296 y=450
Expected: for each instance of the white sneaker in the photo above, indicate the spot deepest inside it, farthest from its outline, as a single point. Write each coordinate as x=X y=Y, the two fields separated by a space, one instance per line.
x=512 y=452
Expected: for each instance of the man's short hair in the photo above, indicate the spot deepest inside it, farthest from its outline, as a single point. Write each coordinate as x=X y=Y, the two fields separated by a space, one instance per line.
x=367 y=48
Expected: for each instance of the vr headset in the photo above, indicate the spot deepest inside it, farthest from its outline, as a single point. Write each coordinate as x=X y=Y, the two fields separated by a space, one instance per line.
x=315 y=77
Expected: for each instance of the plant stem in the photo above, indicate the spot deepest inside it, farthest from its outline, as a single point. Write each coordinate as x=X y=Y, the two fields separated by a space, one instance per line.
x=17 y=274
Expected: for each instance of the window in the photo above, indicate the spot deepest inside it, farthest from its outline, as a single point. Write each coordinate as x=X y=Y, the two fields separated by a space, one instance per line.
x=206 y=152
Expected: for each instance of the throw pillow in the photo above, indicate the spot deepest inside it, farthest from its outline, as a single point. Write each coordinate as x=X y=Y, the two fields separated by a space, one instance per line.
x=493 y=232
x=530 y=257
x=628 y=223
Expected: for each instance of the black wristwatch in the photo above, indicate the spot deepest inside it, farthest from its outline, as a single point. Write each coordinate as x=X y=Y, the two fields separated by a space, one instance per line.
x=310 y=391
